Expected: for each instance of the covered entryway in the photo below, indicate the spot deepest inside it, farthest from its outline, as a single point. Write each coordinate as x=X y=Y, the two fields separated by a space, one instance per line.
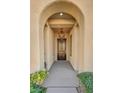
x=66 y=20
x=61 y=41
x=61 y=37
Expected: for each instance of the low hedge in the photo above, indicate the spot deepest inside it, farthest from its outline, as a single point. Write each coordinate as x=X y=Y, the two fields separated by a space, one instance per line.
x=36 y=79
x=86 y=79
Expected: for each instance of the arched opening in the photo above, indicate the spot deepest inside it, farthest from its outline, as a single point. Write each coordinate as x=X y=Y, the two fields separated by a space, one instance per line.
x=61 y=24
x=57 y=18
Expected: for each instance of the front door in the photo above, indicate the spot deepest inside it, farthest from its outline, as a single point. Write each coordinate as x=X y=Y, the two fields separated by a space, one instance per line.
x=61 y=53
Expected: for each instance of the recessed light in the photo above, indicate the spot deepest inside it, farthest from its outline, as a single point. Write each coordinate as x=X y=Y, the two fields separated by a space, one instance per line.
x=61 y=14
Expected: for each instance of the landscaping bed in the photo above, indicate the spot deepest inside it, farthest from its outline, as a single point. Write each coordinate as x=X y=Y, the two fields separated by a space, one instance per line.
x=36 y=80
x=86 y=79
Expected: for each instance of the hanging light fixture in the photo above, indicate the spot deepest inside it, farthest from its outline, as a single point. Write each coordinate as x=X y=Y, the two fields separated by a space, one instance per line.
x=61 y=34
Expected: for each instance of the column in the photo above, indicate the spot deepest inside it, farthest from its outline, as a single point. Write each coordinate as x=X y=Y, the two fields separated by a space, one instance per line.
x=76 y=46
x=48 y=46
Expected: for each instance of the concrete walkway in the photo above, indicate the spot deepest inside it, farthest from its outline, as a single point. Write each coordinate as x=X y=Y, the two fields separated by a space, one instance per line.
x=62 y=78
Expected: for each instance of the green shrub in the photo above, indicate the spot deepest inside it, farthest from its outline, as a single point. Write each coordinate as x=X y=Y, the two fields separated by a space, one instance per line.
x=36 y=79
x=86 y=78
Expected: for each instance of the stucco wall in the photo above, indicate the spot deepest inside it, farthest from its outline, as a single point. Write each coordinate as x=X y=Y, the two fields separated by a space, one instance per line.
x=48 y=46
x=37 y=54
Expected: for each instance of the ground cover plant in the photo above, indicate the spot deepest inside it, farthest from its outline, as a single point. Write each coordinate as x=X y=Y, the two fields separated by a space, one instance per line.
x=36 y=80
x=86 y=79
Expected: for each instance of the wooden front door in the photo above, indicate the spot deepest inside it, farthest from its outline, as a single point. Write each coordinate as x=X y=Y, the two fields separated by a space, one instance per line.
x=61 y=52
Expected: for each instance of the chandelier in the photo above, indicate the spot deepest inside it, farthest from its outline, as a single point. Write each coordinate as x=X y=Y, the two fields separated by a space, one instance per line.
x=61 y=34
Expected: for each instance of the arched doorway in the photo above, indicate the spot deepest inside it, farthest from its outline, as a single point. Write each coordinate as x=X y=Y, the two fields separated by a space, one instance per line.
x=61 y=25
x=75 y=51
x=81 y=10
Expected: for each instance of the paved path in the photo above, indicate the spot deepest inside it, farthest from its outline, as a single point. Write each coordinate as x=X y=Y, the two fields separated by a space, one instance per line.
x=62 y=78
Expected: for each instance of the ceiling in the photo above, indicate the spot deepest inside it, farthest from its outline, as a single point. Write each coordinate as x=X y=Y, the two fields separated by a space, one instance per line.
x=64 y=16
x=64 y=22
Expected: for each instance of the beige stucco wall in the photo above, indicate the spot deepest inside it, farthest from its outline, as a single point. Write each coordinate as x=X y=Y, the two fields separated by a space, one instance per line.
x=85 y=34
x=74 y=59
x=48 y=46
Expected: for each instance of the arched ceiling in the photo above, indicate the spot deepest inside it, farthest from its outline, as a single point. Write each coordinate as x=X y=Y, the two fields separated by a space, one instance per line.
x=61 y=15
x=61 y=6
x=61 y=20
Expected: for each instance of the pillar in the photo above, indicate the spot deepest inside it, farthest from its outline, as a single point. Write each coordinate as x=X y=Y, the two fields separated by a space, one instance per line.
x=76 y=47
x=49 y=54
